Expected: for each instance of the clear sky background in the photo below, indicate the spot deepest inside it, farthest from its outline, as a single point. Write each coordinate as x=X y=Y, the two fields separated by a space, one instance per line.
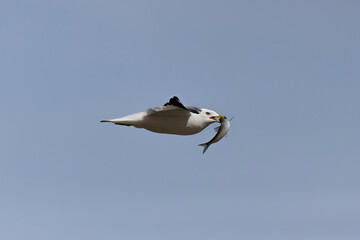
x=289 y=71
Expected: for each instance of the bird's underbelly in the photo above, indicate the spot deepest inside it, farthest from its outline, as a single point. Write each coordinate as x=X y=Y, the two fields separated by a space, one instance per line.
x=170 y=125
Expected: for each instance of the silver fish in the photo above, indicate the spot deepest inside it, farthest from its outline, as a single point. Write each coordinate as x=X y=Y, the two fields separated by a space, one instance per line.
x=223 y=129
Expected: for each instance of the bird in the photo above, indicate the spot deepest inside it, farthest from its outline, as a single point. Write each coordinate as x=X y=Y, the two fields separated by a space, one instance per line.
x=171 y=118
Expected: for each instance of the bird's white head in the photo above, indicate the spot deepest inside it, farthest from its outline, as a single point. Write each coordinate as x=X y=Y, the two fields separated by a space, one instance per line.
x=210 y=116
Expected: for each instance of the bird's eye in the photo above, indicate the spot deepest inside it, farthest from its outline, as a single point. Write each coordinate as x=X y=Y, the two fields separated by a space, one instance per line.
x=207 y=113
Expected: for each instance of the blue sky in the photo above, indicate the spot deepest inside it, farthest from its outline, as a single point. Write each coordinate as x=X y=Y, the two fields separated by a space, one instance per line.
x=288 y=71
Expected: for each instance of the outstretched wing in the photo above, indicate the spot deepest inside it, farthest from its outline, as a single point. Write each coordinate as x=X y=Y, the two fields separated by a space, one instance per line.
x=168 y=110
x=174 y=101
x=174 y=107
x=193 y=109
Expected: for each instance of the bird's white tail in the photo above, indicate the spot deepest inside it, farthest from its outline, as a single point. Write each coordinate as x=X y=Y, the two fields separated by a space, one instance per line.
x=131 y=120
x=119 y=122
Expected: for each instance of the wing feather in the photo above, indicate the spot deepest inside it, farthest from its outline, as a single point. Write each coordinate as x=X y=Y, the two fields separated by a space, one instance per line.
x=168 y=110
x=175 y=101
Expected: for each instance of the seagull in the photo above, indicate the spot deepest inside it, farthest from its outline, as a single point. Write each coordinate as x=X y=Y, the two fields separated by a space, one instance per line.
x=171 y=118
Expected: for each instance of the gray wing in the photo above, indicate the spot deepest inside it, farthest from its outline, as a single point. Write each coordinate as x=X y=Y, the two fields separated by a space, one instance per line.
x=174 y=101
x=168 y=111
x=173 y=107
x=193 y=109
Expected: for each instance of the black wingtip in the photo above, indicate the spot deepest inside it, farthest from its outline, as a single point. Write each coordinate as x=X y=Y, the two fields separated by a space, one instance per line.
x=174 y=101
x=104 y=121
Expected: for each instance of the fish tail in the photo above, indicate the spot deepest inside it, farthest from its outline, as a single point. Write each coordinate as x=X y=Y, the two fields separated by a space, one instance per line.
x=205 y=145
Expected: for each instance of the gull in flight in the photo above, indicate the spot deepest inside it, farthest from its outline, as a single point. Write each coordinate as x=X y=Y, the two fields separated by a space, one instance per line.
x=171 y=118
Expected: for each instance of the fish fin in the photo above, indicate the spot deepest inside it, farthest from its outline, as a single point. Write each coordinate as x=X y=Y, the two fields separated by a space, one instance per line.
x=230 y=121
x=205 y=145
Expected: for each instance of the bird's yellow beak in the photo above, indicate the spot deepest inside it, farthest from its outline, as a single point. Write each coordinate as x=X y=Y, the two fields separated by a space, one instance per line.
x=220 y=116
